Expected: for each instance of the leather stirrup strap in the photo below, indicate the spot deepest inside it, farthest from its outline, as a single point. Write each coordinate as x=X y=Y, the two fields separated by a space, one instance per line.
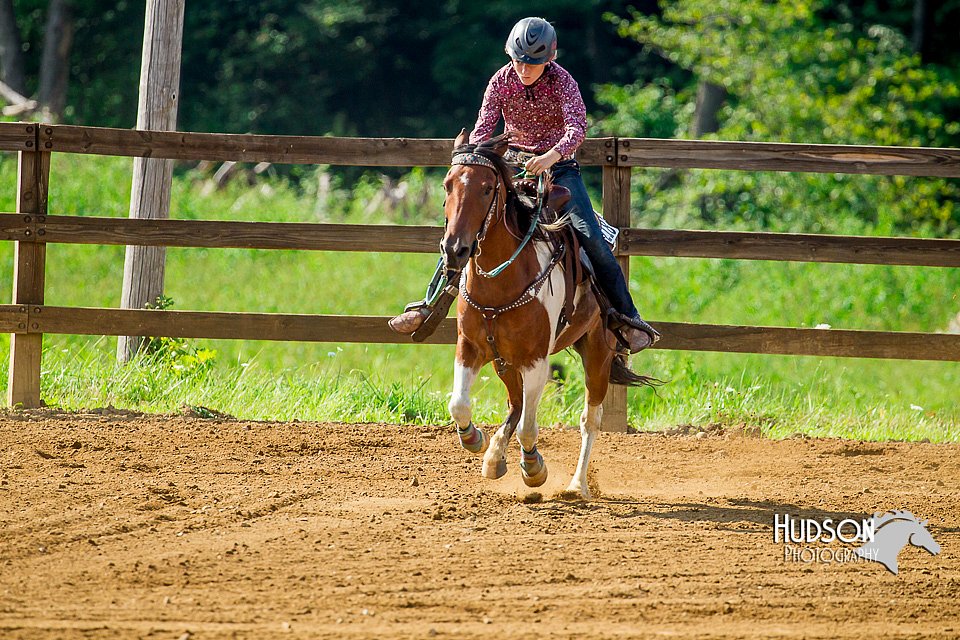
x=439 y=310
x=572 y=275
x=611 y=321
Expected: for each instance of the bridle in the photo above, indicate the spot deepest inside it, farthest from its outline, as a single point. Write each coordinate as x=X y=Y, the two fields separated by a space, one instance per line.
x=477 y=160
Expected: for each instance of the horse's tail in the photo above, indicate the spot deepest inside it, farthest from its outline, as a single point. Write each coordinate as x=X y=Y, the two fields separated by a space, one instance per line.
x=621 y=374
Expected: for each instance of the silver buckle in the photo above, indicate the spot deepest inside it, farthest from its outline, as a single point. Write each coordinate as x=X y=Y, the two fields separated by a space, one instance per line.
x=517 y=157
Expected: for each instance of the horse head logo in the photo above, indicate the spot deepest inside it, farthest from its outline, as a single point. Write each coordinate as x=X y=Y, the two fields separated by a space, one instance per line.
x=892 y=531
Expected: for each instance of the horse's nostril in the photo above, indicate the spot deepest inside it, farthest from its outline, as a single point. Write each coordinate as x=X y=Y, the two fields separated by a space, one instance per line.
x=462 y=252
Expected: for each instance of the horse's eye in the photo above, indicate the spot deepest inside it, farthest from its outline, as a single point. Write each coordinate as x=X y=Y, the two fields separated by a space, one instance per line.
x=487 y=190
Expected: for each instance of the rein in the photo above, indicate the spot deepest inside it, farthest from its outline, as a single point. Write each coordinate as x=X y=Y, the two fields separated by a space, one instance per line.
x=541 y=197
x=475 y=159
x=529 y=294
x=490 y=314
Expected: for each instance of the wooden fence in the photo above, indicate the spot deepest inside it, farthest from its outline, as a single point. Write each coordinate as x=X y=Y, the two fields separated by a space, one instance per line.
x=32 y=227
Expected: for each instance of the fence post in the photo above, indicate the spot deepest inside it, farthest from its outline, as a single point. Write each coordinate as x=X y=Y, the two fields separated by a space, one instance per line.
x=144 y=267
x=33 y=175
x=616 y=210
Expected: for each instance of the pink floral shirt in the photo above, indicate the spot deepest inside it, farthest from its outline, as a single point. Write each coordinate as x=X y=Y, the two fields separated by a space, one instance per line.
x=549 y=114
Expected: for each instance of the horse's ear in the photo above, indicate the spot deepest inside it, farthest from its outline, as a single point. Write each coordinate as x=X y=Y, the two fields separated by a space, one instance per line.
x=462 y=139
x=502 y=142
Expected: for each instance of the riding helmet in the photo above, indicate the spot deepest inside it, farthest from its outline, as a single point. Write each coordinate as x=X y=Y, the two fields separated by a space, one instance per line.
x=532 y=40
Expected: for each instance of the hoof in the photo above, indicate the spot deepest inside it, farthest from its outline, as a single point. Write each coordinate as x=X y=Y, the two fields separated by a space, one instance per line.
x=495 y=472
x=533 y=470
x=576 y=492
x=473 y=440
x=537 y=479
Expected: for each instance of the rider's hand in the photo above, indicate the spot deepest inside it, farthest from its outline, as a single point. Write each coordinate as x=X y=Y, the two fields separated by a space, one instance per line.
x=539 y=164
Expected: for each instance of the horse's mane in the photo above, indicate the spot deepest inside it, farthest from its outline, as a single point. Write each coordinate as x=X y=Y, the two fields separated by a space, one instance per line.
x=519 y=214
x=488 y=149
x=881 y=519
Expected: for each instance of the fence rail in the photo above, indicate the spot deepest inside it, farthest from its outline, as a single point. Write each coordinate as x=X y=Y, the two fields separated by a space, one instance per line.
x=370 y=152
x=222 y=234
x=304 y=236
x=778 y=156
x=219 y=325
x=31 y=227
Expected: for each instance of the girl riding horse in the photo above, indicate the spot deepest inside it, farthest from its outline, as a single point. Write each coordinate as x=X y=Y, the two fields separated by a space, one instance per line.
x=538 y=307
x=543 y=111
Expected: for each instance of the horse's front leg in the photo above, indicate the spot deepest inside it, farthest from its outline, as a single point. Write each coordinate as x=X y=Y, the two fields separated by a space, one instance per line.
x=465 y=368
x=495 y=461
x=532 y=466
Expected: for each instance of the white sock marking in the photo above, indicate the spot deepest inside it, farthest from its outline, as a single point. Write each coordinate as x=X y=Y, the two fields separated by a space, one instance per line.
x=534 y=380
x=589 y=426
x=459 y=406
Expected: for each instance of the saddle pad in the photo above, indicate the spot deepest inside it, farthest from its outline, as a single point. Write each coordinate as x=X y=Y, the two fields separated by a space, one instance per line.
x=610 y=232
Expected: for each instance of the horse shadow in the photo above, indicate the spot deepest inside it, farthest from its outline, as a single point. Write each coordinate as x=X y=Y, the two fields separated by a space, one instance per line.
x=736 y=511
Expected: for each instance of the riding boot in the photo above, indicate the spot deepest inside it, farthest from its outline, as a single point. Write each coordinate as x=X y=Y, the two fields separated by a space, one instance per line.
x=409 y=321
x=637 y=334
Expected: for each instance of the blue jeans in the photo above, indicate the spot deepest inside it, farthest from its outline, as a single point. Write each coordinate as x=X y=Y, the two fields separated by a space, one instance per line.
x=609 y=275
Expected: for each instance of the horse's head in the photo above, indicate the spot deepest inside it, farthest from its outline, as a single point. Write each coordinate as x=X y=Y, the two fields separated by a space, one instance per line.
x=922 y=538
x=892 y=531
x=475 y=193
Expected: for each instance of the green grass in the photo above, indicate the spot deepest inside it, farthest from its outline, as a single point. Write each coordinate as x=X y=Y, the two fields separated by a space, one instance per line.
x=858 y=398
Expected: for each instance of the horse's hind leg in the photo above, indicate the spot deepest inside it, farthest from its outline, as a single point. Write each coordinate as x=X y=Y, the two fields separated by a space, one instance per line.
x=495 y=461
x=532 y=466
x=465 y=369
x=596 y=357
x=589 y=426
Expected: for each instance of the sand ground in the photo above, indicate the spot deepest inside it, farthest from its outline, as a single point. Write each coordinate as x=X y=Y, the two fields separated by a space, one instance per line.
x=119 y=525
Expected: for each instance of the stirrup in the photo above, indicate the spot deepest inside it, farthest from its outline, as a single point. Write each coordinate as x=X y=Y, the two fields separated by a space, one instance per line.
x=623 y=345
x=438 y=311
x=617 y=320
x=416 y=306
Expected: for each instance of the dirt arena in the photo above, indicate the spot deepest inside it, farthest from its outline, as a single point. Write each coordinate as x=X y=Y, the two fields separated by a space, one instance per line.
x=117 y=525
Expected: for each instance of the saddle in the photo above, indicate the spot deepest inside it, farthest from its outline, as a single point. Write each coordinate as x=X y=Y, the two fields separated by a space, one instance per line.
x=577 y=267
x=557 y=196
x=575 y=272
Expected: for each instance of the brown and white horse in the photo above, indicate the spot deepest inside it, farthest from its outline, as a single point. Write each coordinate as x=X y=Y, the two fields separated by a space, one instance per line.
x=512 y=320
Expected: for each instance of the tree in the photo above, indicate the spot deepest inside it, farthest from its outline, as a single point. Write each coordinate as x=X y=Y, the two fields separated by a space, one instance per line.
x=710 y=97
x=55 y=66
x=11 y=55
x=792 y=75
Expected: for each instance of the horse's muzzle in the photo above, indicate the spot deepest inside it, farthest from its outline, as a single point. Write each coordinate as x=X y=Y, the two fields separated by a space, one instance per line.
x=455 y=253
